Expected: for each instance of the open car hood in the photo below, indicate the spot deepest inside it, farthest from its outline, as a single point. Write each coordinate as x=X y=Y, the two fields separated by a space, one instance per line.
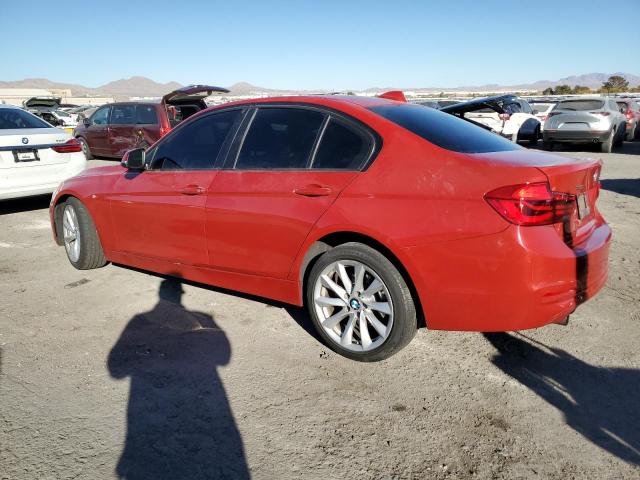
x=191 y=93
x=496 y=103
x=39 y=102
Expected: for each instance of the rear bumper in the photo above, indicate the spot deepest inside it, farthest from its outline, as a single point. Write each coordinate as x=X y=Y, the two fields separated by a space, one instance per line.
x=523 y=277
x=575 y=135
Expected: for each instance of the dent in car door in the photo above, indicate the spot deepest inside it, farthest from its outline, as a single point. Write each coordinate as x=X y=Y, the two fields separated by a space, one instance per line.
x=121 y=129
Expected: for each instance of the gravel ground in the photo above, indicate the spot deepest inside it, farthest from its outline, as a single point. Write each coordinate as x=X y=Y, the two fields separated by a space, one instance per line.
x=116 y=373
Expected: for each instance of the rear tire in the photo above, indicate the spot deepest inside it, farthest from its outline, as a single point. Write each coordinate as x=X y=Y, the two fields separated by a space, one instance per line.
x=85 y=148
x=80 y=237
x=360 y=304
x=619 y=137
x=533 y=141
x=606 y=146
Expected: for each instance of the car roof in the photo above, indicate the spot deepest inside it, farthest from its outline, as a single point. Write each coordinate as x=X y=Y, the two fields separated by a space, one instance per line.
x=336 y=101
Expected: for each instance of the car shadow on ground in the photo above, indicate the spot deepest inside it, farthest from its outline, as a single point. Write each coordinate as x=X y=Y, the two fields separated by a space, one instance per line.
x=602 y=404
x=179 y=421
x=625 y=186
x=26 y=204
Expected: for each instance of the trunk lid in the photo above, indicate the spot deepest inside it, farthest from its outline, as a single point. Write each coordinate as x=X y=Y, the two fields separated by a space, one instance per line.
x=35 y=140
x=43 y=102
x=191 y=94
x=579 y=177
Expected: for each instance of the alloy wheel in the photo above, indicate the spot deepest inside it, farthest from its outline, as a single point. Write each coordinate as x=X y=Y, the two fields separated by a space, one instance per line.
x=353 y=305
x=71 y=233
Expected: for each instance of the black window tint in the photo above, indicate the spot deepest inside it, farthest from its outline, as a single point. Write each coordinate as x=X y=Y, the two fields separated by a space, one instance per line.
x=13 y=118
x=123 y=115
x=146 y=114
x=197 y=145
x=444 y=130
x=280 y=138
x=342 y=147
x=100 y=116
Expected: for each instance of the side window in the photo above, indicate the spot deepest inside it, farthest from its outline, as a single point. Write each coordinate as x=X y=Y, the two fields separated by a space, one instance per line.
x=196 y=146
x=342 y=148
x=280 y=138
x=526 y=108
x=512 y=108
x=122 y=115
x=146 y=115
x=100 y=117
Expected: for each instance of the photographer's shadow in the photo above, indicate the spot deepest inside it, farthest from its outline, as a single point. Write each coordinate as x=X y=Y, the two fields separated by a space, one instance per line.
x=602 y=404
x=179 y=422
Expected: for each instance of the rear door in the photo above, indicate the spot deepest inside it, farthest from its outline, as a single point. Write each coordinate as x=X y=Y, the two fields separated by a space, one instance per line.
x=97 y=132
x=282 y=174
x=160 y=212
x=122 y=126
x=147 y=129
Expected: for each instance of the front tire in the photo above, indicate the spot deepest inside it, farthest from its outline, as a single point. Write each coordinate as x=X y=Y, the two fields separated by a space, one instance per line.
x=360 y=304
x=80 y=237
x=85 y=149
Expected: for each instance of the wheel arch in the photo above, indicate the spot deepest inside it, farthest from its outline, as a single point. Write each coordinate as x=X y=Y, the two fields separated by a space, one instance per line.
x=334 y=239
x=57 y=216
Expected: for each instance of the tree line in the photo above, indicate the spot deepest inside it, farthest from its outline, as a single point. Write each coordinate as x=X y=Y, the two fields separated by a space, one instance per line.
x=614 y=84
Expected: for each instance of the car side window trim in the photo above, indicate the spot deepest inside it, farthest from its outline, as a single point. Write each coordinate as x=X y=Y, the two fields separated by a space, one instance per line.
x=374 y=138
x=224 y=150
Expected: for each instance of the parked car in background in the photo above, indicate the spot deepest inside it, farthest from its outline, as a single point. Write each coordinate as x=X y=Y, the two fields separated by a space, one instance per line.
x=630 y=108
x=117 y=127
x=541 y=110
x=60 y=118
x=380 y=216
x=34 y=156
x=507 y=115
x=585 y=120
x=48 y=108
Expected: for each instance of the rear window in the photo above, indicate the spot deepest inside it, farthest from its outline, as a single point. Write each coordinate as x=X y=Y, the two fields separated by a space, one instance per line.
x=13 y=118
x=579 y=105
x=444 y=130
x=542 y=107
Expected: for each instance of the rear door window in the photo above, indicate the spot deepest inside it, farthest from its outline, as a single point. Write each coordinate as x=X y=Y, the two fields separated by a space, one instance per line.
x=123 y=115
x=197 y=145
x=146 y=115
x=280 y=138
x=342 y=147
x=444 y=130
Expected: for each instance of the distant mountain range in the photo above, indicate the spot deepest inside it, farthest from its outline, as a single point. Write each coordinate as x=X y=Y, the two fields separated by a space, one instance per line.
x=142 y=86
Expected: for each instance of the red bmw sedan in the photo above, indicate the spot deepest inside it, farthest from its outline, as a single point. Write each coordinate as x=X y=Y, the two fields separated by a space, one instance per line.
x=380 y=216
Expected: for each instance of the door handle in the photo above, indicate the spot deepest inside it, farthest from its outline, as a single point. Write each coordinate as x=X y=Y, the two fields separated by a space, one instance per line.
x=192 y=190
x=313 y=191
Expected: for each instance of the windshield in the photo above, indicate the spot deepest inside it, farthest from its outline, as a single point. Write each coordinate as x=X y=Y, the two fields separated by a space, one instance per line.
x=444 y=130
x=580 y=105
x=13 y=118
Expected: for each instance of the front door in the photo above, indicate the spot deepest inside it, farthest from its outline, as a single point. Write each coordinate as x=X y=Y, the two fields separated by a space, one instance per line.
x=160 y=213
x=97 y=132
x=291 y=166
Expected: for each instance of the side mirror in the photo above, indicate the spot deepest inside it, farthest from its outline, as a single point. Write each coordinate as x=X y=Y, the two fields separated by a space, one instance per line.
x=134 y=159
x=86 y=122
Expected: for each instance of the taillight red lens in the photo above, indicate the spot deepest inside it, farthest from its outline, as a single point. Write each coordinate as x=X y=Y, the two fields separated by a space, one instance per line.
x=629 y=114
x=164 y=131
x=504 y=116
x=70 y=146
x=531 y=204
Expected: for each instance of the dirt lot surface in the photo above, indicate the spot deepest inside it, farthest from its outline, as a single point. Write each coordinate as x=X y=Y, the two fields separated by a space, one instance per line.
x=116 y=373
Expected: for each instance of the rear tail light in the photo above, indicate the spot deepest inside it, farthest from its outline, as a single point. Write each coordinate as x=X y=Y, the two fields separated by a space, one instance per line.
x=629 y=114
x=602 y=114
x=504 y=116
x=532 y=204
x=164 y=130
x=70 y=146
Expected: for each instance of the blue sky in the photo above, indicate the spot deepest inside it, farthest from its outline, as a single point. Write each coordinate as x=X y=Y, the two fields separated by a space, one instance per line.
x=318 y=44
